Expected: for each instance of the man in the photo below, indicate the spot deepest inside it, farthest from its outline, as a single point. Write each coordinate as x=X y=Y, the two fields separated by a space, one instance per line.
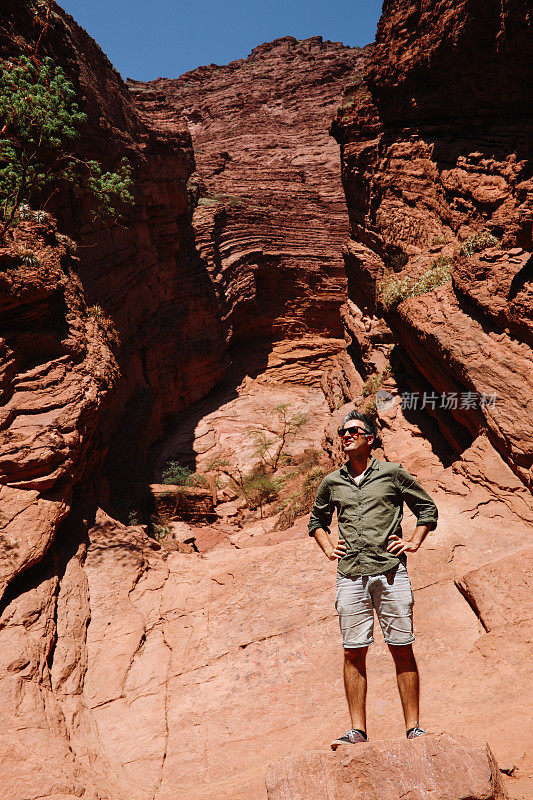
x=368 y=496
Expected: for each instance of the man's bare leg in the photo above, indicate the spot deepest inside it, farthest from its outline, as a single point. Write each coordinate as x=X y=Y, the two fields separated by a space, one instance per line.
x=355 y=685
x=408 y=682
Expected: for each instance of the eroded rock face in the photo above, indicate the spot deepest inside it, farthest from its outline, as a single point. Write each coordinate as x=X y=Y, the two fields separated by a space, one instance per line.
x=58 y=375
x=188 y=673
x=131 y=670
x=270 y=215
x=427 y=163
x=143 y=270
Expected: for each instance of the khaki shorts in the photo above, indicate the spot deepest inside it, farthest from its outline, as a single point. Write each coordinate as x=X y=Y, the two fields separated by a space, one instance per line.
x=390 y=595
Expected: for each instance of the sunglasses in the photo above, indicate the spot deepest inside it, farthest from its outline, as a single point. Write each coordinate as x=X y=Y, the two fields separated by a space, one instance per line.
x=354 y=430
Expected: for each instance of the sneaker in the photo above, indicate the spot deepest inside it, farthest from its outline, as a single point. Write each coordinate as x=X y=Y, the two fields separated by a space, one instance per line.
x=350 y=737
x=412 y=733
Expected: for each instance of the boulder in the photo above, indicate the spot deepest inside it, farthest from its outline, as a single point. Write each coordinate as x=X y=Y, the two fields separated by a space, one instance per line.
x=438 y=766
x=500 y=592
x=182 y=502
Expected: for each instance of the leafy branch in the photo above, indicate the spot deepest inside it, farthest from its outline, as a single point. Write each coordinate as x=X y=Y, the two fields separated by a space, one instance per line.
x=39 y=117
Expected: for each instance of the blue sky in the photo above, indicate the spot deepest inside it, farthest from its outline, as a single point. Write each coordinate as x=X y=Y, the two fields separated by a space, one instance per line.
x=145 y=40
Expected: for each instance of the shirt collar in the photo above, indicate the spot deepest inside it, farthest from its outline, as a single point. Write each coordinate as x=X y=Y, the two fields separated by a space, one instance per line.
x=372 y=464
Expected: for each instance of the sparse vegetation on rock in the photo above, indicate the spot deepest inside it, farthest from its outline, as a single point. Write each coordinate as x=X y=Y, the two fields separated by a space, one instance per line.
x=277 y=474
x=391 y=291
x=28 y=257
x=373 y=383
x=176 y=474
x=478 y=242
x=39 y=118
x=300 y=500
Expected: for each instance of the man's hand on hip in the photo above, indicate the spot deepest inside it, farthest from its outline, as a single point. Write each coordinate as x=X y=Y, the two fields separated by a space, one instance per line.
x=332 y=552
x=339 y=550
x=397 y=546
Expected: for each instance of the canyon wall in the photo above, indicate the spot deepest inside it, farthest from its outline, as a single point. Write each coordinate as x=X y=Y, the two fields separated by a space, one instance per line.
x=111 y=328
x=435 y=147
x=130 y=670
x=269 y=212
x=143 y=269
x=172 y=296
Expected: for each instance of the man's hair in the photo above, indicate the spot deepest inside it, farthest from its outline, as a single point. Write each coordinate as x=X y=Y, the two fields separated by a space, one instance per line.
x=368 y=422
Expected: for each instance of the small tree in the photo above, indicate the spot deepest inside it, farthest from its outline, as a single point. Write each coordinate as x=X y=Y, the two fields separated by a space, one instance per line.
x=256 y=487
x=39 y=116
x=260 y=485
x=288 y=426
x=176 y=474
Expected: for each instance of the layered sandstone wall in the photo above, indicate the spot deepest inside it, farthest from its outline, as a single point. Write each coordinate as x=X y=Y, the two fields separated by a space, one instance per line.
x=270 y=215
x=106 y=332
x=128 y=670
x=58 y=375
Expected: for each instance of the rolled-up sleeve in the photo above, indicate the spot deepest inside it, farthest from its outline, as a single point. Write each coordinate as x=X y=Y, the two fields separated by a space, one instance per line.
x=322 y=511
x=417 y=499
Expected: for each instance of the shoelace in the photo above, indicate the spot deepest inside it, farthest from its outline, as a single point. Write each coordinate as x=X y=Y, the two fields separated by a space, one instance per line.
x=353 y=735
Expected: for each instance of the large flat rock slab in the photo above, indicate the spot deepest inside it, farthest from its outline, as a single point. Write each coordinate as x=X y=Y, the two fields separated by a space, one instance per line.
x=500 y=592
x=433 y=767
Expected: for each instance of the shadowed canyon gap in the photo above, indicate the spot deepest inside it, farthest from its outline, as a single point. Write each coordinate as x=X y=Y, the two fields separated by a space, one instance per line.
x=244 y=278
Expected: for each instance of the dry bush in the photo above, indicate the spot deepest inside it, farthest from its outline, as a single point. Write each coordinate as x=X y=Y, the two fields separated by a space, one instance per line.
x=392 y=291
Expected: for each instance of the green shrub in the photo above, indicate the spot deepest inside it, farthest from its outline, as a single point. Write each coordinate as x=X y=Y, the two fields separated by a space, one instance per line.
x=198 y=480
x=259 y=489
x=97 y=312
x=272 y=452
x=477 y=242
x=160 y=532
x=25 y=211
x=370 y=407
x=392 y=291
x=41 y=216
x=373 y=383
x=300 y=502
x=133 y=517
x=177 y=474
x=39 y=117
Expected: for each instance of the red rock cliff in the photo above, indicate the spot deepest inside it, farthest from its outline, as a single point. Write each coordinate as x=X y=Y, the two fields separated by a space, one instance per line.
x=144 y=272
x=435 y=145
x=128 y=670
x=270 y=216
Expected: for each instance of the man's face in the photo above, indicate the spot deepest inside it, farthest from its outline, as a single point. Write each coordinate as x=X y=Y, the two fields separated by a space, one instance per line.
x=354 y=438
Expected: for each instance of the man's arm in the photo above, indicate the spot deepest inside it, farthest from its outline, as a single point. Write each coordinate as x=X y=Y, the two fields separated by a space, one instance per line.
x=319 y=523
x=322 y=538
x=421 y=505
x=397 y=545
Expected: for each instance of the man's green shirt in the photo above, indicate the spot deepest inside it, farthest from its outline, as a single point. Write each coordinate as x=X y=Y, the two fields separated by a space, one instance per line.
x=369 y=513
